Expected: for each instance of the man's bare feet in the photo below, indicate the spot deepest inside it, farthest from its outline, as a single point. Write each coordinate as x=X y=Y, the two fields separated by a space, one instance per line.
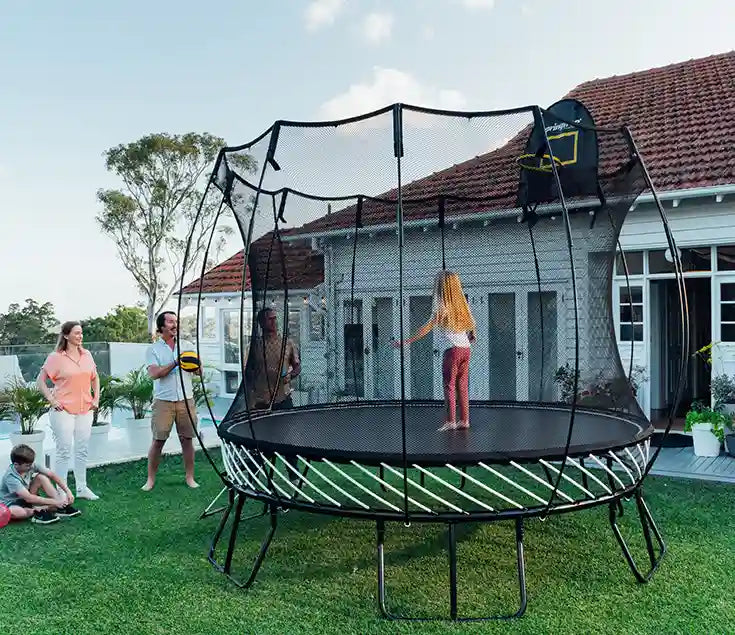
x=192 y=483
x=148 y=486
x=448 y=425
x=462 y=425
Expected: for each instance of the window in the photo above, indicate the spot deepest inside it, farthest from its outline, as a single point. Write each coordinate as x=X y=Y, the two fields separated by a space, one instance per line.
x=695 y=259
x=726 y=258
x=208 y=317
x=634 y=260
x=231 y=336
x=317 y=328
x=727 y=311
x=187 y=323
x=631 y=314
x=232 y=381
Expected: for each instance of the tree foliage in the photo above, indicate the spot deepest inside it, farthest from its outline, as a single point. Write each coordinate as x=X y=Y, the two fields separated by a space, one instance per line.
x=33 y=323
x=122 y=324
x=150 y=217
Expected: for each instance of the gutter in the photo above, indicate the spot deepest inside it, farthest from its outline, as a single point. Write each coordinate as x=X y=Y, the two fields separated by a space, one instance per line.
x=718 y=191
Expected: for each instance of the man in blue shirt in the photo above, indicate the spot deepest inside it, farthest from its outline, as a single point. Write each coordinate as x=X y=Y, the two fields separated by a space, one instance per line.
x=171 y=404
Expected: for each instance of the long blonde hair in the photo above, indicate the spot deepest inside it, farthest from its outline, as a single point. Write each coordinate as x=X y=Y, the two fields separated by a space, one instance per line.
x=450 y=305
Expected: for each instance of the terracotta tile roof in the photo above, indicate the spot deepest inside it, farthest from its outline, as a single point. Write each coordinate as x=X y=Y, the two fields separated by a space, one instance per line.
x=682 y=117
x=305 y=268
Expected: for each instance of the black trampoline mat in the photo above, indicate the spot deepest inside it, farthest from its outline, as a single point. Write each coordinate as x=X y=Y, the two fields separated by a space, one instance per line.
x=371 y=433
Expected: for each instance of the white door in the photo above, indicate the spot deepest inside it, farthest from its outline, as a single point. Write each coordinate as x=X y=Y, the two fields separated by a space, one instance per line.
x=351 y=346
x=382 y=379
x=723 y=327
x=631 y=310
x=520 y=343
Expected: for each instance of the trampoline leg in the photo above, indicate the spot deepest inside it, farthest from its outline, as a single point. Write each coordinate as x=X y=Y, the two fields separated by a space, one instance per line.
x=453 y=611
x=227 y=567
x=649 y=529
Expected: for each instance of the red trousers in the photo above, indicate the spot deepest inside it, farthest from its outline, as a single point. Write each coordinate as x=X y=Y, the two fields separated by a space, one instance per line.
x=456 y=375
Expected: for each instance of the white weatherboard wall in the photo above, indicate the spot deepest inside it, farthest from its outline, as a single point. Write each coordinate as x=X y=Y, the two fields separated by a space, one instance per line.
x=473 y=250
x=699 y=222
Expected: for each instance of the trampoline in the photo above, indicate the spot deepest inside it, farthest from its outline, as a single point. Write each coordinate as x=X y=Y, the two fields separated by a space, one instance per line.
x=336 y=413
x=371 y=433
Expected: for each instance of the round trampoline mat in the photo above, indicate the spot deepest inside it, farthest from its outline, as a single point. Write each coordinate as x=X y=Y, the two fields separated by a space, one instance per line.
x=371 y=432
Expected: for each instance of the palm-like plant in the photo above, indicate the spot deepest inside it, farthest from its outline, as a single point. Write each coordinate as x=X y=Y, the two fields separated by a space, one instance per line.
x=108 y=387
x=24 y=402
x=134 y=392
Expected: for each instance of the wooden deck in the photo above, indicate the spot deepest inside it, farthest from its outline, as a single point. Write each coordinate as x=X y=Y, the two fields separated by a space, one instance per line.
x=681 y=463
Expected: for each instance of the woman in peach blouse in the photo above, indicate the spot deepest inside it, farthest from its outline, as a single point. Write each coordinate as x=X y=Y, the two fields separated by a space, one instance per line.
x=76 y=392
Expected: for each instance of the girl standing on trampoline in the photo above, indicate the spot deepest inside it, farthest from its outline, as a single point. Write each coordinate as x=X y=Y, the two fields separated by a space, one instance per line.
x=454 y=331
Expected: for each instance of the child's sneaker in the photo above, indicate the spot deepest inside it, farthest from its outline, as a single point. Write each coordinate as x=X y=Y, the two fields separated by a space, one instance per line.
x=44 y=517
x=68 y=511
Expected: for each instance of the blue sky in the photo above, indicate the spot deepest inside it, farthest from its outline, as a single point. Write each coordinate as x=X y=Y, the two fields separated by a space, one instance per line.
x=80 y=77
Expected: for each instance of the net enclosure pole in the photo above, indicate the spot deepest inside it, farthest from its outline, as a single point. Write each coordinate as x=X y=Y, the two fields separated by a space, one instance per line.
x=538 y=115
x=398 y=153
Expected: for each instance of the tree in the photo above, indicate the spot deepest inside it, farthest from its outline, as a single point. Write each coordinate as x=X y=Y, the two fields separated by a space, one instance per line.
x=32 y=324
x=151 y=216
x=122 y=324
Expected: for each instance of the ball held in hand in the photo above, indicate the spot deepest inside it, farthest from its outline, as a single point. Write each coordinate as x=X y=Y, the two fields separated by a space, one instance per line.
x=189 y=361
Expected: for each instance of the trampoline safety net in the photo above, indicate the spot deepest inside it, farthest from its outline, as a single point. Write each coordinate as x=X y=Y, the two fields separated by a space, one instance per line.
x=346 y=227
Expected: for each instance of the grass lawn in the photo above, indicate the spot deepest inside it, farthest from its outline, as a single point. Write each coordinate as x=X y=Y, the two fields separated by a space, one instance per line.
x=136 y=563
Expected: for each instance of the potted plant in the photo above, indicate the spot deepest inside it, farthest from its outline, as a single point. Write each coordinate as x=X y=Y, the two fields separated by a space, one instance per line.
x=723 y=399
x=707 y=426
x=135 y=393
x=101 y=416
x=25 y=404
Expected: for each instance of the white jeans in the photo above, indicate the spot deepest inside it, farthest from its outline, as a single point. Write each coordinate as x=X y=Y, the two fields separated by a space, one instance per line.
x=68 y=428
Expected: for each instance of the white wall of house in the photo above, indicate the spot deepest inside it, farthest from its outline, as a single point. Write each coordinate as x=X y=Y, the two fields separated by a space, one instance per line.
x=706 y=223
x=472 y=249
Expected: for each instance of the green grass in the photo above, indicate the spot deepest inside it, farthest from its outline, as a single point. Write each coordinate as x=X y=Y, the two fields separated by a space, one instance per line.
x=136 y=563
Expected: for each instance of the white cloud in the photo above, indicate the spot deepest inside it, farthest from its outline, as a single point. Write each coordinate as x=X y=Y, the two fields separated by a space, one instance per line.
x=321 y=13
x=387 y=86
x=428 y=32
x=478 y=4
x=377 y=27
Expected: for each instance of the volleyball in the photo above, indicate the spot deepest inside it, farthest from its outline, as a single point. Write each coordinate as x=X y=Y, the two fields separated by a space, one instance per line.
x=189 y=361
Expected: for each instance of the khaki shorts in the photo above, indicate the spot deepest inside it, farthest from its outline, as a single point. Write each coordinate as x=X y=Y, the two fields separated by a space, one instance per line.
x=165 y=413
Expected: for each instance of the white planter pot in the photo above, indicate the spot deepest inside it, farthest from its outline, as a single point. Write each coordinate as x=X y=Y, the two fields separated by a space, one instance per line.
x=34 y=440
x=705 y=442
x=98 y=442
x=139 y=435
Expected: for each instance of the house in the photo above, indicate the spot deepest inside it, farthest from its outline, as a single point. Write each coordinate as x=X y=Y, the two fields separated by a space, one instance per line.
x=682 y=117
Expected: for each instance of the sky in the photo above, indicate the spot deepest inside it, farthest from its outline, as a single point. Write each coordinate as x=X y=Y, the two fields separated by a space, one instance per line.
x=79 y=77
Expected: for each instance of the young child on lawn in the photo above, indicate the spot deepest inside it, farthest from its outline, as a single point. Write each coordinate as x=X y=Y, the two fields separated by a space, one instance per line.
x=21 y=483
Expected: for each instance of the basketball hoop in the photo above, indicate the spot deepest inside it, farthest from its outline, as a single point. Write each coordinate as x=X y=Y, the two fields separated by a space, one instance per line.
x=536 y=163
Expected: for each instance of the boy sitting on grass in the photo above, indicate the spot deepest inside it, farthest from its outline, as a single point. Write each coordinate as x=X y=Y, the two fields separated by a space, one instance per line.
x=20 y=484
